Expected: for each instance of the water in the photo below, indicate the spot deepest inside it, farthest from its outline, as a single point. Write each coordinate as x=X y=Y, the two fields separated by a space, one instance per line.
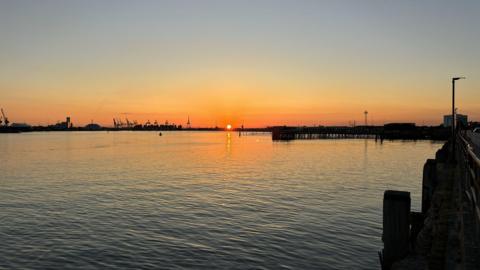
x=202 y=200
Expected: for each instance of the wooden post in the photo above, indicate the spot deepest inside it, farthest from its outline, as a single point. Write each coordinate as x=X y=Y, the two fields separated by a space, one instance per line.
x=442 y=153
x=428 y=183
x=396 y=226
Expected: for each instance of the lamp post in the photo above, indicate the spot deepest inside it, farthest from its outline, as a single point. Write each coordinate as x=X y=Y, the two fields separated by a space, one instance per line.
x=453 y=115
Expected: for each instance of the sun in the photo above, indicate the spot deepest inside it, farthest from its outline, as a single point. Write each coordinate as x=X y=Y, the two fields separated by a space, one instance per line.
x=229 y=127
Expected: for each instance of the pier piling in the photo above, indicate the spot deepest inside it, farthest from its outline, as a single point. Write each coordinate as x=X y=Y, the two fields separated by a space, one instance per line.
x=396 y=226
x=428 y=184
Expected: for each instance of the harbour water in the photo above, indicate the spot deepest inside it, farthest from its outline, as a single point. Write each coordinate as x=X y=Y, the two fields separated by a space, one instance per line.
x=199 y=200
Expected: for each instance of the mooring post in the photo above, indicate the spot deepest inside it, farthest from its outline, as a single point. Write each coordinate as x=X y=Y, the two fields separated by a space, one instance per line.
x=396 y=226
x=428 y=183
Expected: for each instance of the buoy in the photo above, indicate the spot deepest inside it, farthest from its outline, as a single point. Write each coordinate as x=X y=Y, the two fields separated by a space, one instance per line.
x=160 y=134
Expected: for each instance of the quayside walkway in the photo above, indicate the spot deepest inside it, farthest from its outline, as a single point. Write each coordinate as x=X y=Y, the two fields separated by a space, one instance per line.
x=446 y=233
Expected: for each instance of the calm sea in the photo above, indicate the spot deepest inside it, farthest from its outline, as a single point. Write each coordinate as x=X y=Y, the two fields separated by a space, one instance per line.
x=197 y=200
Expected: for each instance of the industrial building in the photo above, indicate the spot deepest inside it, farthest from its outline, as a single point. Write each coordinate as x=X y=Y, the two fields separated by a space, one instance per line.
x=461 y=118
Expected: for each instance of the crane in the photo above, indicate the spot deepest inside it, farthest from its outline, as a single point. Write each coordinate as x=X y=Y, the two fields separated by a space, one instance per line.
x=5 y=119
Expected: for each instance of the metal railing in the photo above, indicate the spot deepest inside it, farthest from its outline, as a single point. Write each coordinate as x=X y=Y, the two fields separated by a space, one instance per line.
x=471 y=185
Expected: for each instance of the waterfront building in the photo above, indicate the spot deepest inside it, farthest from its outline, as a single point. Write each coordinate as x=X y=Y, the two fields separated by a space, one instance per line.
x=461 y=118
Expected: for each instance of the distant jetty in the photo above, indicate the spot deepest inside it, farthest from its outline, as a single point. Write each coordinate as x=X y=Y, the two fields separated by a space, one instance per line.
x=393 y=131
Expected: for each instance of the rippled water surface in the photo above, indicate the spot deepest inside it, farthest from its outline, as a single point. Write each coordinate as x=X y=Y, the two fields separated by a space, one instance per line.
x=210 y=200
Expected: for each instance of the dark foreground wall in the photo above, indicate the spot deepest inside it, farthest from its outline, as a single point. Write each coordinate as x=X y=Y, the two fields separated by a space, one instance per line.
x=444 y=235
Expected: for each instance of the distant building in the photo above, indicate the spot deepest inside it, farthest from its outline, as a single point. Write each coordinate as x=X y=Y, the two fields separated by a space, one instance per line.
x=461 y=118
x=62 y=125
x=20 y=125
x=93 y=126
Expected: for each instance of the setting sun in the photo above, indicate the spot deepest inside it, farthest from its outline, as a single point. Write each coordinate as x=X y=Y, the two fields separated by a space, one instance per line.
x=229 y=127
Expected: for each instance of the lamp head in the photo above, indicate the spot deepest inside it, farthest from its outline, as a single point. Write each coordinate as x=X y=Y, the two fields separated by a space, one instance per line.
x=457 y=78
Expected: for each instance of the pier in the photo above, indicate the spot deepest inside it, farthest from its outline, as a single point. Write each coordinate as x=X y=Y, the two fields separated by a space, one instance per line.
x=446 y=233
x=394 y=131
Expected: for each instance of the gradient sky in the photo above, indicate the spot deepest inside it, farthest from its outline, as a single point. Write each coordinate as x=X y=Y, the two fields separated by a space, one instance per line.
x=257 y=62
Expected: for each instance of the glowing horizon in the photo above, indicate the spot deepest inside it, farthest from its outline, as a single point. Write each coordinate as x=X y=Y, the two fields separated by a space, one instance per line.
x=263 y=64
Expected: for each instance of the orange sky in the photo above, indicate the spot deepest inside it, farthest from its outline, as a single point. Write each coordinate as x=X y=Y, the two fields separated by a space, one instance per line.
x=298 y=63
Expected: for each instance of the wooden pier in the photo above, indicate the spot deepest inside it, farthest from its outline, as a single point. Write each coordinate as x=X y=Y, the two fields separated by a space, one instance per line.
x=397 y=131
x=446 y=233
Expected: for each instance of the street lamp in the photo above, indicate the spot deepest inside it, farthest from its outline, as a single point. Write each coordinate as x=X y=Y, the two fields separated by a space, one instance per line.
x=453 y=114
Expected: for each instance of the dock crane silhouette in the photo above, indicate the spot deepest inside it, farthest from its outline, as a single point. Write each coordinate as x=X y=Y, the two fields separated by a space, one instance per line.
x=5 y=119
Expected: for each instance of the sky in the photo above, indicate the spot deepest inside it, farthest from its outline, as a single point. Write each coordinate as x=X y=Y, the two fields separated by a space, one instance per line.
x=259 y=63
